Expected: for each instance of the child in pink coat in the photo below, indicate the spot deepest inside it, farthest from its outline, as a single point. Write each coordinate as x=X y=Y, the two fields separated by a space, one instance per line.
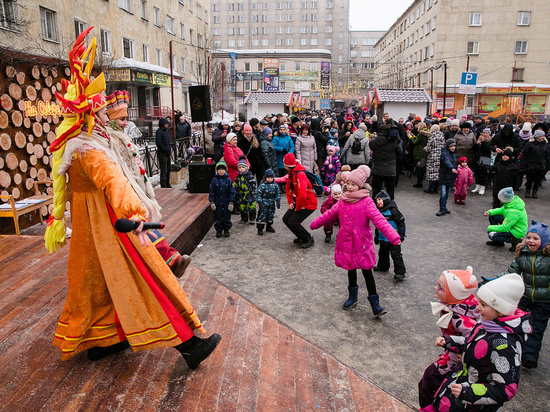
x=464 y=179
x=354 y=242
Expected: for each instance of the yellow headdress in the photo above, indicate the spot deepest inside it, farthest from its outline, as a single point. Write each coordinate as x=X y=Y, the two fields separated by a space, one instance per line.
x=78 y=110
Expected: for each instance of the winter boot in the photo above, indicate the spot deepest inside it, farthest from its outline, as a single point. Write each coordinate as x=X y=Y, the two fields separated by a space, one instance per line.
x=535 y=194
x=181 y=265
x=352 y=300
x=527 y=192
x=226 y=233
x=376 y=308
x=269 y=228
x=195 y=350
x=327 y=238
x=260 y=227
x=513 y=243
x=481 y=190
x=476 y=189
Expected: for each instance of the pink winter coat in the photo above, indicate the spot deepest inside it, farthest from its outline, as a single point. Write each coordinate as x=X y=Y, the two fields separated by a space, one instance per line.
x=464 y=179
x=354 y=243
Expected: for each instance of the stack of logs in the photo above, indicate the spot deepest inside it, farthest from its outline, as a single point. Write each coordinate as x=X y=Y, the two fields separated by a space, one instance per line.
x=24 y=141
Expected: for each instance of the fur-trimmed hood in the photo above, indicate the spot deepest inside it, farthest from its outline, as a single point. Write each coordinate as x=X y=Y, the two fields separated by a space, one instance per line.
x=519 y=248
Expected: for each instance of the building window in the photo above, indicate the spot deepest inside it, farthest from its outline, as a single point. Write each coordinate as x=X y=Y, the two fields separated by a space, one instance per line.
x=521 y=47
x=146 y=57
x=428 y=27
x=9 y=18
x=289 y=30
x=169 y=24
x=353 y=53
x=265 y=42
x=230 y=31
x=328 y=29
x=216 y=7
x=279 y=5
x=289 y=17
x=279 y=30
x=240 y=43
x=264 y=18
x=473 y=47
x=289 y=42
x=260 y=67
x=426 y=52
x=231 y=43
x=125 y=5
x=282 y=85
x=475 y=19
x=303 y=42
x=199 y=41
x=524 y=18
x=230 y=6
x=247 y=85
x=241 y=31
x=158 y=57
x=255 y=43
x=314 y=30
x=254 y=6
x=254 y=18
x=279 y=42
x=434 y=22
x=240 y=18
x=265 y=6
x=279 y=17
x=254 y=30
x=314 y=17
x=127 y=48
x=105 y=37
x=304 y=5
x=190 y=6
x=289 y=5
x=231 y=19
x=199 y=11
x=328 y=42
x=303 y=17
x=265 y=30
x=79 y=27
x=313 y=42
x=314 y=4
x=367 y=53
x=240 y=6
x=429 y=5
x=297 y=66
x=216 y=20
x=191 y=37
x=432 y=47
x=517 y=75
x=143 y=9
x=156 y=16
x=217 y=44
x=247 y=67
x=282 y=66
x=328 y=17
x=192 y=68
x=303 y=29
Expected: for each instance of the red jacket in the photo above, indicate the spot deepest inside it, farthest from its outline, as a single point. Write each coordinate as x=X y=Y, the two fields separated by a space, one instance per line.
x=231 y=155
x=299 y=190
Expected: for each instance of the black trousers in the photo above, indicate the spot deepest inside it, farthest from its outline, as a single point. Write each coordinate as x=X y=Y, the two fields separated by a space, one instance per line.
x=164 y=164
x=384 y=258
x=293 y=220
x=378 y=181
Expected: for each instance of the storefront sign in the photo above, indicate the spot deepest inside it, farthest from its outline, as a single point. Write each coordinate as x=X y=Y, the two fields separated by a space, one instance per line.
x=499 y=90
x=325 y=104
x=297 y=76
x=545 y=90
x=41 y=108
x=118 y=75
x=253 y=75
x=523 y=89
x=141 y=77
x=271 y=75
x=450 y=100
x=536 y=104
x=161 y=79
x=315 y=94
x=489 y=103
x=325 y=75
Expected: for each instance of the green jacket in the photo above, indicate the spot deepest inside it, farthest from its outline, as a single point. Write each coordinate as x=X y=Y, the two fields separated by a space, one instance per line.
x=534 y=268
x=515 y=218
x=420 y=141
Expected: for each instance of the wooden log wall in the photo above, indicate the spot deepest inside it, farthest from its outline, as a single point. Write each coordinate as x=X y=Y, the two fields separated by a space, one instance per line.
x=24 y=141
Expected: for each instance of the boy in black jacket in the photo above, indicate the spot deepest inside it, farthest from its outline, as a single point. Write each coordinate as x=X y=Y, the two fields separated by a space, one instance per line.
x=507 y=174
x=395 y=218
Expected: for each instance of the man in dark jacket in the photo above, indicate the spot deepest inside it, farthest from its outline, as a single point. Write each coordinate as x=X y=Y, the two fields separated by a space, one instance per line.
x=506 y=138
x=163 y=151
x=386 y=149
x=218 y=137
x=321 y=140
x=479 y=125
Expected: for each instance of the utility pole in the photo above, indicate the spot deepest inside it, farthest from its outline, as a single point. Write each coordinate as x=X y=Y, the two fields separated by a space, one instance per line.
x=444 y=87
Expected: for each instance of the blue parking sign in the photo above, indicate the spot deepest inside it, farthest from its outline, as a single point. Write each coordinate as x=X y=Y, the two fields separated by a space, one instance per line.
x=469 y=78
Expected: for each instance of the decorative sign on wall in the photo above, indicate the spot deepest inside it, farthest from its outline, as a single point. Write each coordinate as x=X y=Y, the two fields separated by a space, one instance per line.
x=41 y=108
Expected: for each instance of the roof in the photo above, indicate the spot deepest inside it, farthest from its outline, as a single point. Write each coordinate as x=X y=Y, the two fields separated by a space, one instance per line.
x=403 y=96
x=125 y=63
x=268 y=97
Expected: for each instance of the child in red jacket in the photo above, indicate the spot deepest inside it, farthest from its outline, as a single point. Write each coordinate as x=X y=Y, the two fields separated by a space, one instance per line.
x=464 y=179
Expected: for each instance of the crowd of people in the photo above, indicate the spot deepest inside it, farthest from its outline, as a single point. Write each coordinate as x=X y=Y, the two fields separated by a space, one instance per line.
x=358 y=160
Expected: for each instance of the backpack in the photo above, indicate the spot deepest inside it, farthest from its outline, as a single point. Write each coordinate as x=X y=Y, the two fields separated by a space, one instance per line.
x=356 y=146
x=315 y=181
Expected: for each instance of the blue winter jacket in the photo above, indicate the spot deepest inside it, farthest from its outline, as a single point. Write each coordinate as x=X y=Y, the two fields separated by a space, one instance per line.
x=283 y=144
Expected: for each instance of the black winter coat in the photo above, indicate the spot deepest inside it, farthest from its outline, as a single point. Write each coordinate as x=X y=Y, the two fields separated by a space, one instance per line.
x=535 y=155
x=321 y=139
x=222 y=191
x=507 y=174
x=268 y=154
x=218 y=138
x=447 y=164
x=385 y=152
x=162 y=138
x=252 y=154
x=506 y=138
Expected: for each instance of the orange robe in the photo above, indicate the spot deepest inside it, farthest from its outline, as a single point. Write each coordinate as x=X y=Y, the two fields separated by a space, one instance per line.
x=118 y=290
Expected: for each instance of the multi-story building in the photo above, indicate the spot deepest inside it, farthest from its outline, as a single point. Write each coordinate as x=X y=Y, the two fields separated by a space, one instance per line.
x=134 y=38
x=291 y=24
x=362 y=57
x=291 y=70
x=504 y=43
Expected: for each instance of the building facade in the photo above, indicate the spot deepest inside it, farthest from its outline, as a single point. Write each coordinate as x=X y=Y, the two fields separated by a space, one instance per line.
x=291 y=24
x=504 y=43
x=133 y=37
x=362 y=59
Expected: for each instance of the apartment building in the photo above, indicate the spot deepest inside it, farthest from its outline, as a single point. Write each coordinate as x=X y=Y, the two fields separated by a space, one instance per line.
x=504 y=42
x=362 y=58
x=133 y=36
x=291 y=24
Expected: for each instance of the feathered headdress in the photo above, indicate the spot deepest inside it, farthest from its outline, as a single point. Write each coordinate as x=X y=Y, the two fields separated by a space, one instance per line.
x=77 y=104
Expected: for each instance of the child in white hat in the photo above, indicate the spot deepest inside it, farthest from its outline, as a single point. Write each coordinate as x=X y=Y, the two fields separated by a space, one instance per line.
x=491 y=355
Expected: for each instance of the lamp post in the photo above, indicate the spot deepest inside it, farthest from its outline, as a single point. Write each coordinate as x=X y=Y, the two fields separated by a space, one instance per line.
x=223 y=75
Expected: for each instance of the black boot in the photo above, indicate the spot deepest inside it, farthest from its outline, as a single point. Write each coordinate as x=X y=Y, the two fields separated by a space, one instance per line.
x=97 y=353
x=260 y=227
x=269 y=228
x=352 y=299
x=535 y=194
x=527 y=192
x=375 y=304
x=195 y=350
x=309 y=243
x=514 y=242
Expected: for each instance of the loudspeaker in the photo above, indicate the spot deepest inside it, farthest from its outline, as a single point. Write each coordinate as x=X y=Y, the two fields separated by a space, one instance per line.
x=200 y=176
x=199 y=97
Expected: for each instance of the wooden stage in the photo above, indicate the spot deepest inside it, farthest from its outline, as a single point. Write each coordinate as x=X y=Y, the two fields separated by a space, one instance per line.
x=260 y=363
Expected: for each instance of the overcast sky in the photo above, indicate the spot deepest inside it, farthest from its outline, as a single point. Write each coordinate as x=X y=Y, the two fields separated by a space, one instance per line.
x=376 y=14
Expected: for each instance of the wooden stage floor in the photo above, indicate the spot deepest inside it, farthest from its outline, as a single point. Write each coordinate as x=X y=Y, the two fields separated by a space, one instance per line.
x=260 y=363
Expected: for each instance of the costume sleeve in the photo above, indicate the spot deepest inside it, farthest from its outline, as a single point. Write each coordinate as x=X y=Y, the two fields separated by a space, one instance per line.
x=108 y=178
x=329 y=216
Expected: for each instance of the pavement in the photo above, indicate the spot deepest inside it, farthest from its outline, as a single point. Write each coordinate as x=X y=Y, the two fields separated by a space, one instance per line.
x=305 y=291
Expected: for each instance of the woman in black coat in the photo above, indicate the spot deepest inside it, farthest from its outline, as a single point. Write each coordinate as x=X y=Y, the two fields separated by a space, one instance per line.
x=447 y=175
x=534 y=161
x=386 y=148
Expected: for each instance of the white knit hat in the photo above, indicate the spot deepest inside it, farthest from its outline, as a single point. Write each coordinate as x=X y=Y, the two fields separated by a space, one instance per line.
x=230 y=136
x=503 y=293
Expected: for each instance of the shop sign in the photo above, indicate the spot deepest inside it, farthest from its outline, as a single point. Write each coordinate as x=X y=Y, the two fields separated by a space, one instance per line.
x=141 y=77
x=523 y=89
x=271 y=75
x=118 y=75
x=297 y=76
x=499 y=90
x=41 y=108
x=325 y=74
x=315 y=94
x=536 y=104
x=545 y=90
x=253 y=75
x=450 y=103
x=161 y=79
x=489 y=103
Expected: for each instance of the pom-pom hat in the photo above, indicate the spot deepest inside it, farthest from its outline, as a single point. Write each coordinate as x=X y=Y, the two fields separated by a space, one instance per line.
x=460 y=284
x=503 y=293
x=289 y=160
x=359 y=176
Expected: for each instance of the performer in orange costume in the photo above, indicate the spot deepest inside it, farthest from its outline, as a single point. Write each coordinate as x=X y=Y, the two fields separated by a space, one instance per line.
x=121 y=292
